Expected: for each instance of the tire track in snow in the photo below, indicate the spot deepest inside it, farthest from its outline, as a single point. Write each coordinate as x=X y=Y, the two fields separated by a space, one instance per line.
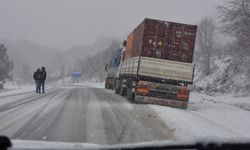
x=17 y=94
x=129 y=123
x=24 y=101
x=21 y=131
x=43 y=123
x=247 y=108
x=5 y=113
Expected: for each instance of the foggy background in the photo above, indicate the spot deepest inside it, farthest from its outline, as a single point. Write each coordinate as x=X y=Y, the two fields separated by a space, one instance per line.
x=80 y=35
x=63 y=24
x=59 y=33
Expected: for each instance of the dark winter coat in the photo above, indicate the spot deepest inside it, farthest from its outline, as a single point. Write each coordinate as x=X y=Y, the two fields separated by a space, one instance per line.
x=43 y=75
x=37 y=75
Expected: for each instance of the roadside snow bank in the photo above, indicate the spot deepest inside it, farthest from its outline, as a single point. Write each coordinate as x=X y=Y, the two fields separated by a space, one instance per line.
x=226 y=76
x=207 y=117
x=11 y=89
x=30 y=144
x=15 y=89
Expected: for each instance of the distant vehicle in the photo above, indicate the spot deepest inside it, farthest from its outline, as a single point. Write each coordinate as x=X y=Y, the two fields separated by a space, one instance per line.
x=156 y=65
x=112 y=68
x=75 y=76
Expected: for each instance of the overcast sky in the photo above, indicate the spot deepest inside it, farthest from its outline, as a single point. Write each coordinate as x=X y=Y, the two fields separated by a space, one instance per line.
x=64 y=23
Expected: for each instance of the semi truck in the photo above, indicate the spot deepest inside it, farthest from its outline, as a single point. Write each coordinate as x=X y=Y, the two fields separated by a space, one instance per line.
x=156 y=66
x=111 y=69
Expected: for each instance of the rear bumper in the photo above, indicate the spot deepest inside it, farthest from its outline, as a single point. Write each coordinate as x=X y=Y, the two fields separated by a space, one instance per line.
x=161 y=101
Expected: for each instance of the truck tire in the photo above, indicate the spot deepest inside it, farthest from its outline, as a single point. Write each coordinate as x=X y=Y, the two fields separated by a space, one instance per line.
x=117 y=91
x=132 y=97
x=116 y=87
x=122 y=92
x=128 y=93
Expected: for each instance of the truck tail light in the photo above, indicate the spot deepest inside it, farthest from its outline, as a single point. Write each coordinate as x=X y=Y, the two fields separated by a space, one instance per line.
x=142 y=88
x=183 y=93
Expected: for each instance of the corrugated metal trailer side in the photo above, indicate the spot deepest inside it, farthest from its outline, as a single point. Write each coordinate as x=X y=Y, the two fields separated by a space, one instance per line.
x=162 y=40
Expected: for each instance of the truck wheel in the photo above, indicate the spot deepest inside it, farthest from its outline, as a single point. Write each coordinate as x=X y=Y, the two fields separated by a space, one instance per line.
x=122 y=92
x=132 y=97
x=117 y=91
x=128 y=93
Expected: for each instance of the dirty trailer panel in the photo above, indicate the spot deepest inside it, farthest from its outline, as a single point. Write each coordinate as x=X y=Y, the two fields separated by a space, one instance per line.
x=162 y=40
x=158 y=68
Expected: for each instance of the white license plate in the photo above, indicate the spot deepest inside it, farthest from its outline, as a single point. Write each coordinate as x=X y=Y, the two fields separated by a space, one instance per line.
x=167 y=102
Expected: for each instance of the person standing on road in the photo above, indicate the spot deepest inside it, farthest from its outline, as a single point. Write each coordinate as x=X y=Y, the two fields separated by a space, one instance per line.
x=37 y=78
x=43 y=78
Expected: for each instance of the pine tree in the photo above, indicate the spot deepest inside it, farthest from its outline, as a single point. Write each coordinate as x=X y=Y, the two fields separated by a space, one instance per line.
x=6 y=65
x=205 y=37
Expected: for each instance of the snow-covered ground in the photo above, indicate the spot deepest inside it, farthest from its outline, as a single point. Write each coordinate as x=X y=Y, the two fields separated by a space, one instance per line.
x=226 y=76
x=223 y=117
x=94 y=83
x=13 y=88
x=30 y=144
x=209 y=117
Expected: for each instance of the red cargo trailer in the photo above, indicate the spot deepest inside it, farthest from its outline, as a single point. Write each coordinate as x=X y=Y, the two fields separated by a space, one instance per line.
x=162 y=40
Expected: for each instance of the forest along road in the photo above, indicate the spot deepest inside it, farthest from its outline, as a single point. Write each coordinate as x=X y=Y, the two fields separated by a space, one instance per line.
x=79 y=114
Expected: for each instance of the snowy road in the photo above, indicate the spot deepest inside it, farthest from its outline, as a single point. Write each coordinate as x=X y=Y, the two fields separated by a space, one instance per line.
x=79 y=114
x=222 y=117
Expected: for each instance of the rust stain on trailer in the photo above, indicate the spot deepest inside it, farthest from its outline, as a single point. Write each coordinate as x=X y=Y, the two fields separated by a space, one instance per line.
x=163 y=40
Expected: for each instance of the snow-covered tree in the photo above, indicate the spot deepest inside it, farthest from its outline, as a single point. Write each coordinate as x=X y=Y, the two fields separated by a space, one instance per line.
x=235 y=16
x=94 y=66
x=205 y=40
x=6 y=65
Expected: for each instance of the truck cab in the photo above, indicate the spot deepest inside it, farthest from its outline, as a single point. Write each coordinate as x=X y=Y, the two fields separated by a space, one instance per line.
x=111 y=69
